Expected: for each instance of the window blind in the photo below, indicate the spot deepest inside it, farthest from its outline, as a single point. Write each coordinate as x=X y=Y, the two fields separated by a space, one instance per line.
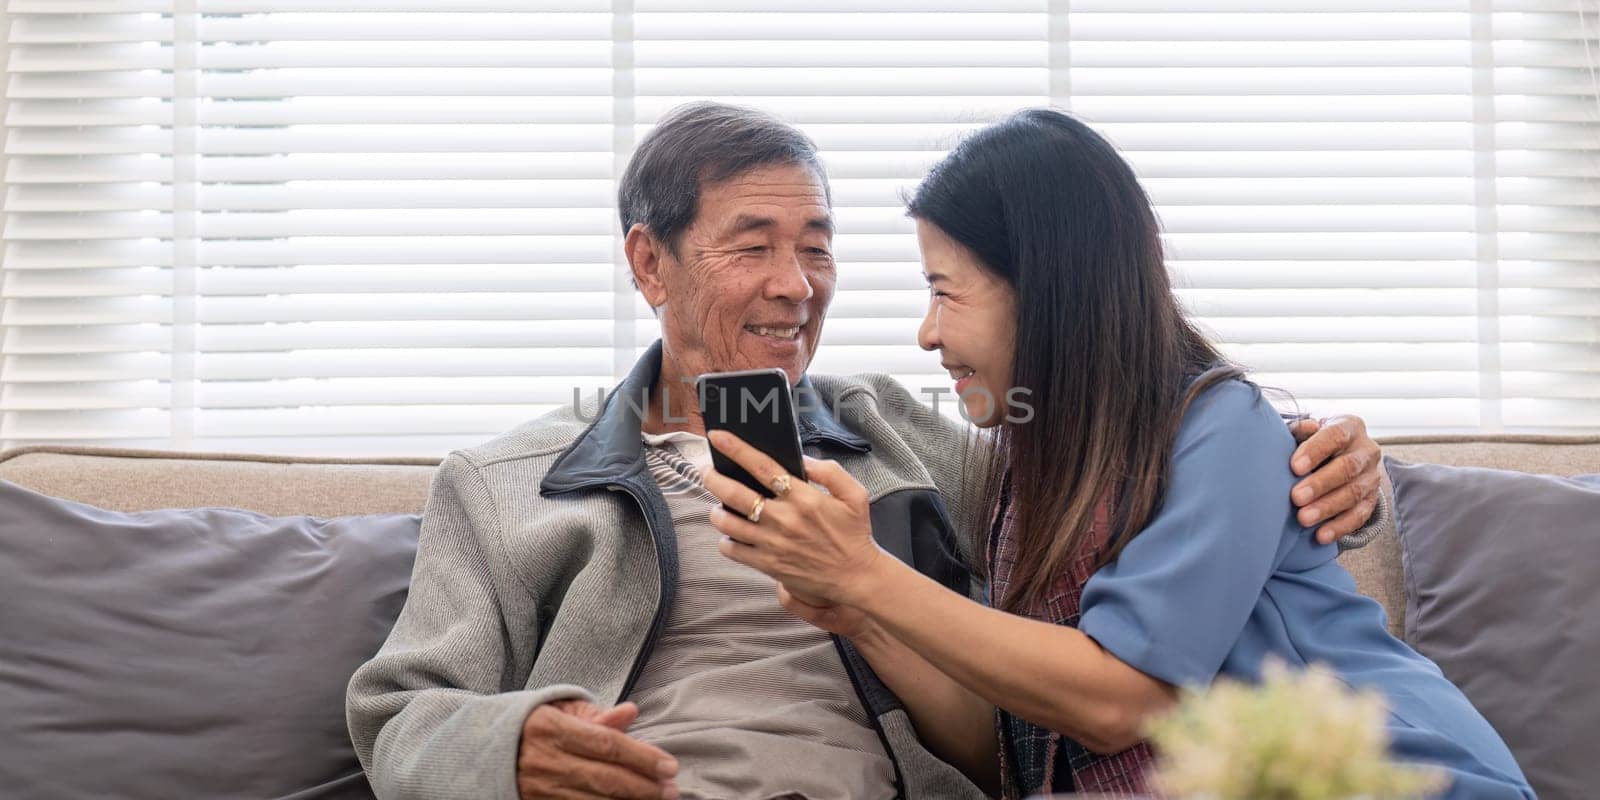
x=353 y=227
x=1544 y=184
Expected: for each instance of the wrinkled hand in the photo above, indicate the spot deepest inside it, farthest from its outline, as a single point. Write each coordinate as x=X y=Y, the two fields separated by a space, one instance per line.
x=1342 y=494
x=817 y=544
x=573 y=749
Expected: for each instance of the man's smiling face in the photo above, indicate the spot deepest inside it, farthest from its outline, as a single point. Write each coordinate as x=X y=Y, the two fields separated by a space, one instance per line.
x=750 y=280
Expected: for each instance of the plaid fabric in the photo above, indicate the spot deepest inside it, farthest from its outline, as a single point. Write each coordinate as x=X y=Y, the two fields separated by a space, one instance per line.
x=1036 y=759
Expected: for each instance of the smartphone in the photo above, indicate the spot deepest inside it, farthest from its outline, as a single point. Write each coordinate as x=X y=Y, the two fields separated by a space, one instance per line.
x=757 y=406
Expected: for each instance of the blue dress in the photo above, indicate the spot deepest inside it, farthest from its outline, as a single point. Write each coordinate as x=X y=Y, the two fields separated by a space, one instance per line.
x=1224 y=576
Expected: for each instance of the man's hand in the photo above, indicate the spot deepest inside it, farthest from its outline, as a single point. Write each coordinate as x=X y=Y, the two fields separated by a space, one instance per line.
x=1342 y=494
x=573 y=749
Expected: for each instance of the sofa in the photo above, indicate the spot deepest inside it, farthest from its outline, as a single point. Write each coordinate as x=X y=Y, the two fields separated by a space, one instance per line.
x=136 y=480
x=132 y=480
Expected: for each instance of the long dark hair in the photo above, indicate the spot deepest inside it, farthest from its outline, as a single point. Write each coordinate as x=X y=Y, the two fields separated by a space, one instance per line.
x=1110 y=359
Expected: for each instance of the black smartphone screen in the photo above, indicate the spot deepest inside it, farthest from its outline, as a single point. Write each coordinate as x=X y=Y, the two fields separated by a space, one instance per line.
x=758 y=407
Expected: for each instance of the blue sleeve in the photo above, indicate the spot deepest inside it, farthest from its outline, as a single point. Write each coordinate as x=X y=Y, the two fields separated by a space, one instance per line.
x=1176 y=600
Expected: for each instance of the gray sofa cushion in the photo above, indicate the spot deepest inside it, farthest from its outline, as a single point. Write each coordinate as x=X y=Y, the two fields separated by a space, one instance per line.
x=1501 y=575
x=187 y=653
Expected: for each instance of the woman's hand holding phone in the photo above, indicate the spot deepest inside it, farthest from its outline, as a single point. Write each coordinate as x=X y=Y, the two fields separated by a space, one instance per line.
x=817 y=544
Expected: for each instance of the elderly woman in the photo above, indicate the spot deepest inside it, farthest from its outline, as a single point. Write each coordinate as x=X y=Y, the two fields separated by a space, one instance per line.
x=1142 y=534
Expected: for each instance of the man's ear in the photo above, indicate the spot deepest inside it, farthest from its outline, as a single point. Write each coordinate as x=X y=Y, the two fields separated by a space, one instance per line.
x=647 y=257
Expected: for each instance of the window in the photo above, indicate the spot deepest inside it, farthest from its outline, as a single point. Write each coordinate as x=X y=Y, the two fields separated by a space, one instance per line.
x=311 y=226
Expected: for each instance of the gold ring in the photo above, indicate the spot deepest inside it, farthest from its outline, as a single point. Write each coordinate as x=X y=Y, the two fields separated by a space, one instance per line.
x=780 y=485
x=755 y=513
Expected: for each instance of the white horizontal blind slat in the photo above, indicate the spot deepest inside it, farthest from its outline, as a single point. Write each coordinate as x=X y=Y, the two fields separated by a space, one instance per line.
x=401 y=238
x=1547 y=69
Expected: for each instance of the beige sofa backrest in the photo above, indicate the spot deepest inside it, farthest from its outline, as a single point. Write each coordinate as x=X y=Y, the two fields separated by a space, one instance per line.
x=131 y=480
x=138 y=480
x=1548 y=455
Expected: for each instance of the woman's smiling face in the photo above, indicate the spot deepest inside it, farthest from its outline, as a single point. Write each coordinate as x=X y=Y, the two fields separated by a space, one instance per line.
x=971 y=322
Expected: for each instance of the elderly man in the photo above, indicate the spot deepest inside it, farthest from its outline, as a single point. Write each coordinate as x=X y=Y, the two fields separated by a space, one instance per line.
x=572 y=630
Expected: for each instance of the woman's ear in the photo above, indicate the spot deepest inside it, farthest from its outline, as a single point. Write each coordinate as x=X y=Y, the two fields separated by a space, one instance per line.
x=647 y=257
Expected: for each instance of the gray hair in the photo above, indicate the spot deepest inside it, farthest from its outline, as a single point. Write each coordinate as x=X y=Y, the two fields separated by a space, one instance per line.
x=703 y=143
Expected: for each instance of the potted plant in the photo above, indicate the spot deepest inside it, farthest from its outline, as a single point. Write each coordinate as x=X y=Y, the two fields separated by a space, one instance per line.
x=1295 y=736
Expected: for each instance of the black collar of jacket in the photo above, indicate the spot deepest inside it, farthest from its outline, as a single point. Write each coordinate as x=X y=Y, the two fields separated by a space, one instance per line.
x=610 y=449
